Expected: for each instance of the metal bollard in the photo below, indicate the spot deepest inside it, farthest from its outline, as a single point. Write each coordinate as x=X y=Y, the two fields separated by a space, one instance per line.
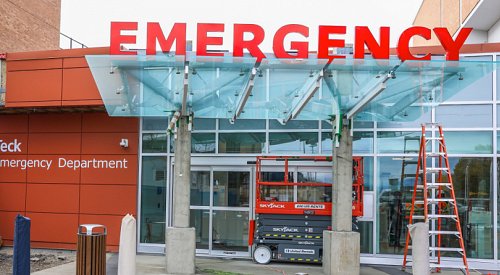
x=91 y=250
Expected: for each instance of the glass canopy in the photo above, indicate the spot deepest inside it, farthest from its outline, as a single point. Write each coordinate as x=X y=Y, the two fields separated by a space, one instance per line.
x=307 y=89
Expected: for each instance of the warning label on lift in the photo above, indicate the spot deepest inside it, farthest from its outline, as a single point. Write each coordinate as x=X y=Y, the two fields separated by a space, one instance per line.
x=299 y=251
x=309 y=206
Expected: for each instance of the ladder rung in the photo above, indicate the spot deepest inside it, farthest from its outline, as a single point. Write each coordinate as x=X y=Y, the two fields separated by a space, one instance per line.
x=432 y=154
x=429 y=201
x=434 y=138
x=444 y=232
x=418 y=217
x=455 y=249
x=447 y=265
x=431 y=124
x=437 y=184
x=436 y=216
x=435 y=170
x=440 y=200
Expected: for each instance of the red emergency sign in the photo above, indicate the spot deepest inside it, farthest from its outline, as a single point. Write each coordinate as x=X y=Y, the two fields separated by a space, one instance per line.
x=378 y=47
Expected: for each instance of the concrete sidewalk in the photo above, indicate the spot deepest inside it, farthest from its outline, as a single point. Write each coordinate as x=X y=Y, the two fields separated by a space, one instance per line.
x=155 y=265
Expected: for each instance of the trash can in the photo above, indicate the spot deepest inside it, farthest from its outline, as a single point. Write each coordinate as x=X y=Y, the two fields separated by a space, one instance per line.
x=91 y=250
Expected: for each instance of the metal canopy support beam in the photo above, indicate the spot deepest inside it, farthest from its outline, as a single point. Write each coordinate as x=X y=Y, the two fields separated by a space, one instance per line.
x=185 y=92
x=310 y=89
x=242 y=100
x=373 y=92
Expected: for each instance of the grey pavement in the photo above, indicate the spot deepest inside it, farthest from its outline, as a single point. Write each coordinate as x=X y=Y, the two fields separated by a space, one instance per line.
x=155 y=265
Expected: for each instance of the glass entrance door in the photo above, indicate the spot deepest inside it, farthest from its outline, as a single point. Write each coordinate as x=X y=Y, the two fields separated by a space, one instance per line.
x=220 y=209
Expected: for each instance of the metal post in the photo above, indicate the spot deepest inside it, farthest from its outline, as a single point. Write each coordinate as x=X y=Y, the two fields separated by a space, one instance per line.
x=341 y=246
x=180 y=240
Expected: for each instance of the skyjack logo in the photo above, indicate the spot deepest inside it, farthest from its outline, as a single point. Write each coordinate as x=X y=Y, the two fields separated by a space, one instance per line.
x=271 y=205
x=11 y=147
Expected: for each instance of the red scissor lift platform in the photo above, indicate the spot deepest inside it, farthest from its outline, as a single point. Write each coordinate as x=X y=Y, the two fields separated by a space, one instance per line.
x=286 y=229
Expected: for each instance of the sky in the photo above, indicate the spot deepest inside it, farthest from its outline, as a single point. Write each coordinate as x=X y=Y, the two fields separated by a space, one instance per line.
x=89 y=21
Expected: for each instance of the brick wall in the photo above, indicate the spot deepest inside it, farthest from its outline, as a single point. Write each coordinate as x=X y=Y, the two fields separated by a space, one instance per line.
x=29 y=25
x=59 y=199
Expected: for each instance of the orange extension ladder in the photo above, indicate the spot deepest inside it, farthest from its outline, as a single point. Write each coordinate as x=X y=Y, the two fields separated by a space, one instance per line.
x=434 y=202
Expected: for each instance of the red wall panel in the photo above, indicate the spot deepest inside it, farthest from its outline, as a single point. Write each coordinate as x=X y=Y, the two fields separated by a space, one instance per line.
x=100 y=123
x=109 y=143
x=12 y=196
x=29 y=65
x=55 y=228
x=107 y=199
x=56 y=123
x=57 y=143
x=34 y=86
x=55 y=198
x=14 y=124
x=79 y=84
x=7 y=220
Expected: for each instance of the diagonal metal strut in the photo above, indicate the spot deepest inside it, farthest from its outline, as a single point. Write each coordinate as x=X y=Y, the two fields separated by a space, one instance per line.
x=310 y=89
x=243 y=98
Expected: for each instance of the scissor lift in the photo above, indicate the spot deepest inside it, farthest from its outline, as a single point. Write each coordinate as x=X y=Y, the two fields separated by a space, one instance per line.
x=286 y=229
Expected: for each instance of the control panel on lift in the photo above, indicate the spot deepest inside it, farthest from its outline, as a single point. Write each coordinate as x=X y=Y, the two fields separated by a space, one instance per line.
x=292 y=213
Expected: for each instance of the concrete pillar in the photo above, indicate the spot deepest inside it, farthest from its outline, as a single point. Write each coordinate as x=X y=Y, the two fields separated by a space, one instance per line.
x=180 y=241
x=341 y=246
x=182 y=174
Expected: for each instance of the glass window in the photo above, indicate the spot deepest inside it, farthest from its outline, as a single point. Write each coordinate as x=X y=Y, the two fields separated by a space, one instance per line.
x=231 y=188
x=362 y=142
x=200 y=143
x=294 y=124
x=155 y=123
x=474 y=193
x=203 y=143
x=481 y=89
x=478 y=142
x=230 y=230
x=293 y=143
x=204 y=124
x=465 y=116
x=399 y=142
x=368 y=173
x=394 y=195
x=199 y=219
x=200 y=188
x=153 y=199
x=251 y=143
x=365 y=230
x=154 y=143
x=498 y=78
x=275 y=192
x=243 y=124
x=416 y=115
x=498 y=108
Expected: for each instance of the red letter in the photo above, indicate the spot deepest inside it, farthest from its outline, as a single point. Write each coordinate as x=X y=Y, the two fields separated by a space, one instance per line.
x=178 y=33
x=451 y=47
x=325 y=43
x=251 y=45
x=302 y=48
x=117 y=39
x=404 y=43
x=363 y=36
x=203 y=40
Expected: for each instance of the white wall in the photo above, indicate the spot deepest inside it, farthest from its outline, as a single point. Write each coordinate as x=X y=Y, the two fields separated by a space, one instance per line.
x=494 y=33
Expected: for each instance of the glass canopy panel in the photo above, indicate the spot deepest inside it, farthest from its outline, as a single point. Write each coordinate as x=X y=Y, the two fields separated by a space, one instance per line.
x=306 y=89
